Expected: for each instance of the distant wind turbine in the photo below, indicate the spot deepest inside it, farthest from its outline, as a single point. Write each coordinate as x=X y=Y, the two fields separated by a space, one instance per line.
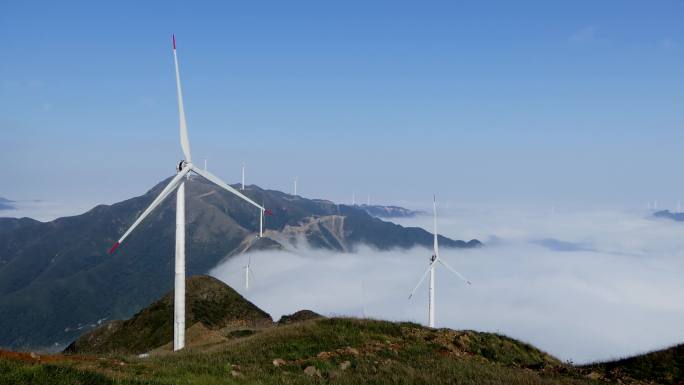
x=431 y=271
x=243 y=176
x=178 y=184
x=248 y=271
x=295 y=186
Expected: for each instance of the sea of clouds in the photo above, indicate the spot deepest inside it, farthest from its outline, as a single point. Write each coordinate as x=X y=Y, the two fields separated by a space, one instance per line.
x=583 y=285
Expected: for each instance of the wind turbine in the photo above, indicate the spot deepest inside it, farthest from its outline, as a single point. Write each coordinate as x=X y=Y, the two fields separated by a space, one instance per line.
x=248 y=271
x=431 y=270
x=295 y=186
x=243 y=176
x=178 y=184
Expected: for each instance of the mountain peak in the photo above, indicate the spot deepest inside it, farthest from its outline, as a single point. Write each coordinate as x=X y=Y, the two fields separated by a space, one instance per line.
x=209 y=302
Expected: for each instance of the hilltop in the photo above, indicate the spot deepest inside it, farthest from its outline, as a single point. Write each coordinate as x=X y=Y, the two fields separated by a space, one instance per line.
x=231 y=341
x=57 y=280
x=211 y=305
x=664 y=366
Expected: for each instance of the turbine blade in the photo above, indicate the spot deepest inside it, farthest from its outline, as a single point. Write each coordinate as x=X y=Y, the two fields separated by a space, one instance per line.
x=434 y=208
x=421 y=279
x=454 y=271
x=215 y=180
x=164 y=193
x=185 y=142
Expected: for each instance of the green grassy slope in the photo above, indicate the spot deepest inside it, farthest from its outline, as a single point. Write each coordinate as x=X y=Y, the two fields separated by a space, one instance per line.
x=208 y=301
x=335 y=351
x=663 y=366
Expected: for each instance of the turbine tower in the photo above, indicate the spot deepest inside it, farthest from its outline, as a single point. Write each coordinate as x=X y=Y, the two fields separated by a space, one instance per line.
x=248 y=271
x=295 y=186
x=243 y=176
x=434 y=259
x=177 y=184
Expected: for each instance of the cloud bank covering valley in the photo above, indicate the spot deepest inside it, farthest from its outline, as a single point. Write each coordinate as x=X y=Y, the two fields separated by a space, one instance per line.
x=582 y=285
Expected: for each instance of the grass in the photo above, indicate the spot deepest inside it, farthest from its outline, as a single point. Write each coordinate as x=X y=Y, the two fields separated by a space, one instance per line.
x=663 y=366
x=378 y=352
x=208 y=301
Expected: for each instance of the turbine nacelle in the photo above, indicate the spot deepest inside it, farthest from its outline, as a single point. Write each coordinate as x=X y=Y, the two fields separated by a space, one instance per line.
x=183 y=164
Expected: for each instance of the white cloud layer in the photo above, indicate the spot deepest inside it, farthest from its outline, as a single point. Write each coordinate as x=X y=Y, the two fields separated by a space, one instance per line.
x=583 y=285
x=45 y=210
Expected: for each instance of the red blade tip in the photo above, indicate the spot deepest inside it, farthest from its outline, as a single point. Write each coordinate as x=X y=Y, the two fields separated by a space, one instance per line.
x=173 y=37
x=114 y=247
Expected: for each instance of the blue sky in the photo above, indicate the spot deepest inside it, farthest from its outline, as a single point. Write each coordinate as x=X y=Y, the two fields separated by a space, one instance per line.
x=577 y=102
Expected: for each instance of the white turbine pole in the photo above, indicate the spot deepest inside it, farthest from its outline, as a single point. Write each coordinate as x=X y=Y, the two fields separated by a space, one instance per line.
x=205 y=164
x=435 y=257
x=261 y=223
x=247 y=274
x=243 y=175
x=431 y=303
x=184 y=167
x=179 y=286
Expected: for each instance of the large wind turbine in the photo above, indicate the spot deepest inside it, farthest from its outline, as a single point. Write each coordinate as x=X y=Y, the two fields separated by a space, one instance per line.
x=178 y=184
x=431 y=270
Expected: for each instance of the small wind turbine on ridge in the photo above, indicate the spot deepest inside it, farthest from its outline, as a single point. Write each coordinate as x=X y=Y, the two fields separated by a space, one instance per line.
x=243 y=176
x=434 y=259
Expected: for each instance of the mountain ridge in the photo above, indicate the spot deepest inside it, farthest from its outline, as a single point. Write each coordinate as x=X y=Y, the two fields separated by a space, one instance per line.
x=56 y=277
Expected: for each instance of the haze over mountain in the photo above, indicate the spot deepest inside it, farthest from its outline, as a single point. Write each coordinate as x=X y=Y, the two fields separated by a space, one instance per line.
x=389 y=211
x=57 y=281
x=6 y=204
x=675 y=216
